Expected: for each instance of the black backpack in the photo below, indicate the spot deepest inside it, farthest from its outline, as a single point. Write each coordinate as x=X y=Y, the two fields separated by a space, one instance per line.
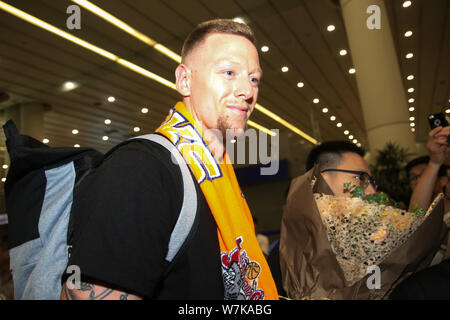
x=39 y=191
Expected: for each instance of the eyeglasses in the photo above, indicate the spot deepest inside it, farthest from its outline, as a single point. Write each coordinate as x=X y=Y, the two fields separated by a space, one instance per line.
x=364 y=178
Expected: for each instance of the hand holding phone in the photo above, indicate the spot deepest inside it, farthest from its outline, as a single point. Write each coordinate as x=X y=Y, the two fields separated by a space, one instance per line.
x=437 y=120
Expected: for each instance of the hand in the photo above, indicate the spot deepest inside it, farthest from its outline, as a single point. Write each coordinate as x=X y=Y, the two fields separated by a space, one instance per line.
x=437 y=144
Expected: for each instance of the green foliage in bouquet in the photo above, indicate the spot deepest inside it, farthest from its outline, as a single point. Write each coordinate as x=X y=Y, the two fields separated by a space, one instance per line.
x=388 y=170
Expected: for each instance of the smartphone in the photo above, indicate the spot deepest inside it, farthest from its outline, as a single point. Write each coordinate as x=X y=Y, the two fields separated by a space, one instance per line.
x=436 y=120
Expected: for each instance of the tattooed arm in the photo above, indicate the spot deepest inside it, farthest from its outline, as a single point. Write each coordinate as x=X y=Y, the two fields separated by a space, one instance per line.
x=89 y=291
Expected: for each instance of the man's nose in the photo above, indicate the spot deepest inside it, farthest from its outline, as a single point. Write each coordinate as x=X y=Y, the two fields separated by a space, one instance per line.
x=243 y=89
x=370 y=189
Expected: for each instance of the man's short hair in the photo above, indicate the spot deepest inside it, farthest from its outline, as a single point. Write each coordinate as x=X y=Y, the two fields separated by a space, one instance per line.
x=226 y=26
x=329 y=154
x=424 y=160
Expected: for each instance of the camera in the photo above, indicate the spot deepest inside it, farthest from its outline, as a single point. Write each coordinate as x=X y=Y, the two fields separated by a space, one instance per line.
x=436 y=120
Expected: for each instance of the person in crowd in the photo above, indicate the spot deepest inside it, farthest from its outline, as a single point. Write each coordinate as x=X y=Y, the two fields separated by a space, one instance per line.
x=339 y=162
x=6 y=282
x=135 y=196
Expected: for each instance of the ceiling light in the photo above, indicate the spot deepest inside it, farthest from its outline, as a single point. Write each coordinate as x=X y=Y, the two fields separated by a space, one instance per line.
x=346 y=132
x=343 y=52
x=447 y=111
x=351 y=70
x=332 y=118
x=350 y=137
x=408 y=34
x=3 y=179
x=331 y=28
x=315 y=100
x=338 y=124
x=111 y=99
x=411 y=109
x=136 y=129
x=355 y=141
x=409 y=55
x=412 y=118
x=107 y=121
x=411 y=90
x=406 y=4
x=411 y=100
x=69 y=85
x=412 y=124
x=285 y=69
x=300 y=84
x=325 y=110
x=263 y=129
x=105 y=138
x=74 y=131
x=5 y=166
x=144 y=110
x=358 y=145
x=413 y=129
x=410 y=77
x=264 y=48
x=76 y=145
x=239 y=20
x=45 y=141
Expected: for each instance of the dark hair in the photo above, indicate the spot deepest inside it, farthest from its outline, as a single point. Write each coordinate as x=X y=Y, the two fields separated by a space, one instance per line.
x=329 y=153
x=424 y=160
x=3 y=237
x=227 y=26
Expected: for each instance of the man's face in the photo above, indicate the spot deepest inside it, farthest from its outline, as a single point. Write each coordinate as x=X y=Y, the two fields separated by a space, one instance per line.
x=223 y=74
x=336 y=179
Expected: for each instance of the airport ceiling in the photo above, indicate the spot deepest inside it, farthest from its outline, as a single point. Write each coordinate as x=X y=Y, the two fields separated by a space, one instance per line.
x=35 y=64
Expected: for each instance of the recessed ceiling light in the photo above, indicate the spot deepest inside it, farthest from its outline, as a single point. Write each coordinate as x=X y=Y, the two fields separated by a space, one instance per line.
x=239 y=20
x=76 y=145
x=412 y=124
x=406 y=4
x=413 y=129
x=411 y=100
x=411 y=109
x=343 y=52
x=411 y=90
x=409 y=55
x=300 y=84
x=264 y=48
x=410 y=77
x=412 y=118
x=3 y=179
x=346 y=132
x=355 y=141
x=350 y=137
x=332 y=118
x=45 y=141
x=74 y=131
x=408 y=33
x=285 y=69
x=447 y=111
x=5 y=166
x=69 y=85
x=144 y=110
x=325 y=110
x=358 y=144
x=136 y=129
x=105 y=138
x=351 y=70
x=338 y=124
x=107 y=121
x=331 y=28
x=111 y=99
x=315 y=100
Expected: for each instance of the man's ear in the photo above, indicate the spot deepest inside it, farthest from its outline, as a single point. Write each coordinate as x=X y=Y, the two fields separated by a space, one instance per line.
x=183 y=80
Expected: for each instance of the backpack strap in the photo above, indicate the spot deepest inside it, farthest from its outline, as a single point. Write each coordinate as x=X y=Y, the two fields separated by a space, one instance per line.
x=188 y=213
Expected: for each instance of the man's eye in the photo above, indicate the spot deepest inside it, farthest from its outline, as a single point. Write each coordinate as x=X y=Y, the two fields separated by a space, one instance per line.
x=255 y=80
x=229 y=73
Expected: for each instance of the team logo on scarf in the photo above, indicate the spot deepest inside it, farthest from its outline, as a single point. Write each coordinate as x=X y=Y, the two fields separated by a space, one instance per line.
x=240 y=275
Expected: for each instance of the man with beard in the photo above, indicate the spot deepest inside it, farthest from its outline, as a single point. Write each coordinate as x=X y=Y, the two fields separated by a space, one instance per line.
x=133 y=200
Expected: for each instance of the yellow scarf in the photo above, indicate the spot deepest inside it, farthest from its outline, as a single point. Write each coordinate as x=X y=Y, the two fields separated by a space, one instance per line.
x=245 y=271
